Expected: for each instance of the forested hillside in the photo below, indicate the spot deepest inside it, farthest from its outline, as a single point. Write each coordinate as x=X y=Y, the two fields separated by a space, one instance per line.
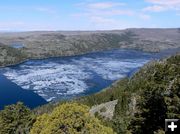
x=10 y=56
x=144 y=101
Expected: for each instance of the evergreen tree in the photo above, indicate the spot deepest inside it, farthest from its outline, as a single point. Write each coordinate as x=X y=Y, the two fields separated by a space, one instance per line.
x=16 y=119
x=152 y=112
x=159 y=96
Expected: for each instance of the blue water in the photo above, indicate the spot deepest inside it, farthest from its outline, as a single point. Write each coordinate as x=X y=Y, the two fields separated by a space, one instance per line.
x=54 y=79
x=17 y=45
x=10 y=93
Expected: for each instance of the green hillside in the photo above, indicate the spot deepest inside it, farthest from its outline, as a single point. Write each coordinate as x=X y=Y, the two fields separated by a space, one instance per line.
x=144 y=100
x=10 y=56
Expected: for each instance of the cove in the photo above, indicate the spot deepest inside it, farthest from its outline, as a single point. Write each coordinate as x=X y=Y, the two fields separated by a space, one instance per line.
x=10 y=93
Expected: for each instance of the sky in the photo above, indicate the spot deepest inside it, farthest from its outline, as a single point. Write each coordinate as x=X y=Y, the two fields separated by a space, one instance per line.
x=36 y=15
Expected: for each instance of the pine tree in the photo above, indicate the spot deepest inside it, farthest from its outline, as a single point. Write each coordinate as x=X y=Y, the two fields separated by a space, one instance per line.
x=16 y=118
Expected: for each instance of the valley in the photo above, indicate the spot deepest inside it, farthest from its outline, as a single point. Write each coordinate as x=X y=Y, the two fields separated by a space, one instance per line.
x=89 y=67
x=110 y=75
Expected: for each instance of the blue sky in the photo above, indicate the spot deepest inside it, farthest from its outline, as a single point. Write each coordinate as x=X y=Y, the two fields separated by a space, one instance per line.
x=23 y=15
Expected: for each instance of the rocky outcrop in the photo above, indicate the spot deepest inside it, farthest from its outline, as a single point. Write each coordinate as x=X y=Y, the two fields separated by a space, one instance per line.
x=105 y=109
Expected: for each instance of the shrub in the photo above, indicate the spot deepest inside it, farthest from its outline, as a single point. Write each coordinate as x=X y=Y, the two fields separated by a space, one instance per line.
x=70 y=118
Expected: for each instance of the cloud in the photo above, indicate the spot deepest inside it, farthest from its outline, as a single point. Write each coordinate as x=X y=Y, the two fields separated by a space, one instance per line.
x=7 y=26
x=46 y=10
x=112 y=12
x=108 y=14
x=24 y=26
x=103 y=13
x=104 y=5
x=102 y=20
x=144 y=16
x=102 y=9
x=155 y=8
x=162 y=5
x=119 y=12
x=165 y=2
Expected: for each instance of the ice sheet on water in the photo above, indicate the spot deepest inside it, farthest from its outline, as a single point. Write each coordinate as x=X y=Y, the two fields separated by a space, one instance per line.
x=55 y=78
x=68 y=78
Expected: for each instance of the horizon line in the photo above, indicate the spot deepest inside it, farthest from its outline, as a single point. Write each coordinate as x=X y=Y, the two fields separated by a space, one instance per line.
x=95 y=30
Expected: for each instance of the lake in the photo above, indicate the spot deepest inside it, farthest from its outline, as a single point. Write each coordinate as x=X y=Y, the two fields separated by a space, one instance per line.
x=36 y=82
x=17 y=45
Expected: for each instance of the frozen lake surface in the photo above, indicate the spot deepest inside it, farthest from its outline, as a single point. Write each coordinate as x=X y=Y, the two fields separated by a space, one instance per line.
x=60 y=78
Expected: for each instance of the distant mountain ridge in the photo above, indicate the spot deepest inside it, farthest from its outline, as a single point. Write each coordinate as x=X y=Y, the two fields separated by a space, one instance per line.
x=45 y=44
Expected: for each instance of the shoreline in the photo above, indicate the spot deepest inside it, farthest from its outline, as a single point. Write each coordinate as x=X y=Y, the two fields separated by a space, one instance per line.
x=86 y=53
x=81 y=54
